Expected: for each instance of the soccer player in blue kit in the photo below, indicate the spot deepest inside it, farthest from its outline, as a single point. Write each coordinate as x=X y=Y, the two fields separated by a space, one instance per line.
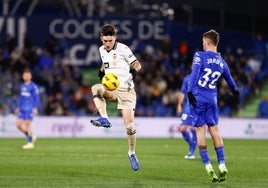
x=208 y=67
x=27 y=107
x=187 y=130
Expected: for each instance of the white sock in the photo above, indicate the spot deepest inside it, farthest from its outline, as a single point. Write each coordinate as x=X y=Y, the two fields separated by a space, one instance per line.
x=208 y=167
x=130 y=153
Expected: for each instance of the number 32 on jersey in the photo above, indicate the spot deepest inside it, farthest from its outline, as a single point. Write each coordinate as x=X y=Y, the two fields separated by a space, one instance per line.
x=210 y=78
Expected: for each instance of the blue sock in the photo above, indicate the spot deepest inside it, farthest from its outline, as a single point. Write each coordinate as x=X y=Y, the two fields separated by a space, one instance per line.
x=204 y=156
x=26 y=134
x=186 y=136
x=30 y=139
x=193 y=142
x=194 y=138
x=220 y=154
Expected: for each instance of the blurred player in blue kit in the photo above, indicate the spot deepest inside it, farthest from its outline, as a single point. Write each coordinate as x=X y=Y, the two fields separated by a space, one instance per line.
x=208 y=67
x=27 y=107
x=187 y=130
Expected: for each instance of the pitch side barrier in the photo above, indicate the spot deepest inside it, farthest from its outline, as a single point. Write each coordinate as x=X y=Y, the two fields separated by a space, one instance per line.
x=147 y=127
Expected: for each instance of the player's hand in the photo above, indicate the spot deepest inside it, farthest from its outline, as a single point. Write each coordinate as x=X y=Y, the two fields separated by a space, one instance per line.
x=101 y=74
x=235 y=92
x=133 y=72
x=192 y=99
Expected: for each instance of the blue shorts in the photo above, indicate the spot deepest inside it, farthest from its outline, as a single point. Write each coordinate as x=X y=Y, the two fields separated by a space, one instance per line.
x=26 y=115
x=186 y=119
x=205 y=114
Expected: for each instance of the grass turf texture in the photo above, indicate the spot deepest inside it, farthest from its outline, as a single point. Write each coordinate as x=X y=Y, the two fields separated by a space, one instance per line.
x=104 y=163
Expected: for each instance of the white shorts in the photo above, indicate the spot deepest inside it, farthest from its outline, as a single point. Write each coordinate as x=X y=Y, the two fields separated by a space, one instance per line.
x=125 y=98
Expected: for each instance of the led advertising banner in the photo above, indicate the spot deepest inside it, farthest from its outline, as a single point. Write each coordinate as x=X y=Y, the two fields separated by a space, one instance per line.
x=81 y=36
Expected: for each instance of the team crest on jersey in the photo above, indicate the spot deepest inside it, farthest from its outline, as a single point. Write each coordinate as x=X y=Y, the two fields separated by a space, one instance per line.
x=114 y=56
x=197 y=59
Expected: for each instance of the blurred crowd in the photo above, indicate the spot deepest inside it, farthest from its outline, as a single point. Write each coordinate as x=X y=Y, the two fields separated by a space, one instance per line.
x=64 y=92
x=165 y=67
x=61 y=86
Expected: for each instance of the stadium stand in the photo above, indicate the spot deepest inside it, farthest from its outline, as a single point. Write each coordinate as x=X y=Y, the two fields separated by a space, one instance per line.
x=65 y=89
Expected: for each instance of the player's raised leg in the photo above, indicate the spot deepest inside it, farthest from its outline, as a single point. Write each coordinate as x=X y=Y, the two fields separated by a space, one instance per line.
x=100 y=103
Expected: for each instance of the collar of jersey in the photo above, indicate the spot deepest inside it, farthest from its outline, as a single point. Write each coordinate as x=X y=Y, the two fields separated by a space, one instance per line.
x=114 y=47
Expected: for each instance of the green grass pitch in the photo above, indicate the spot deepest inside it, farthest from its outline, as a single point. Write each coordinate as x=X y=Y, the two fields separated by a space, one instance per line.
x=103 y=163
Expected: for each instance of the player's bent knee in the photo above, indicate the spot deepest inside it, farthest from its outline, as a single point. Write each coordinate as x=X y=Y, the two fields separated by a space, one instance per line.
x=182 y=128
x=97 y=89
x=19 y=126
x=130 y=128
x=202 y=147
x=98 y=96
x=131 y=132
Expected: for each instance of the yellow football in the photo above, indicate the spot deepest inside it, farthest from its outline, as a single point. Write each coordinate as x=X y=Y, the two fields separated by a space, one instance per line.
x=110 y=81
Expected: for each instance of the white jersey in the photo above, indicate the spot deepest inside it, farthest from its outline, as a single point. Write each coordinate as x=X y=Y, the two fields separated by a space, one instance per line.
x=118 y=61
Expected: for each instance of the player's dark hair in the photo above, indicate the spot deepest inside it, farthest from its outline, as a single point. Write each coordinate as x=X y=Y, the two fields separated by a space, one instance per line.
x=108 y=30
x=27 y=70
x=213 y=36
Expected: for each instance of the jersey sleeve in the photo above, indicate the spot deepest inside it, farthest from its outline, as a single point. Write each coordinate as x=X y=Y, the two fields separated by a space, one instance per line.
x=129 y=56
x=184 y=86
x=36 y=97
x=101 y=55
x=228 y=77
x=19 y=101
x=195 y=72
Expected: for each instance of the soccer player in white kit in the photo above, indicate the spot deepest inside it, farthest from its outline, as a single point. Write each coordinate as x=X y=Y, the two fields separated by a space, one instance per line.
x=117 y=58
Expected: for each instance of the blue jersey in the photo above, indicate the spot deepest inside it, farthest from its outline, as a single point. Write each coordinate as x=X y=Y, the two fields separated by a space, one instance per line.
x=208 y=67
x=183 y=90
x=29 y=97
x=186 y=116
